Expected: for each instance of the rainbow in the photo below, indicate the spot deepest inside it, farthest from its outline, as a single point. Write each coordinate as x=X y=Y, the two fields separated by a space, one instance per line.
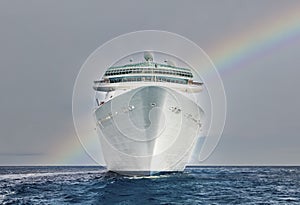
x=258 y=40
x=70 y=151
x=228 y=55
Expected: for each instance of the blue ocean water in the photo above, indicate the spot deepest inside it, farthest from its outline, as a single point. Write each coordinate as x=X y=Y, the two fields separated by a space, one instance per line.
x=196 y=185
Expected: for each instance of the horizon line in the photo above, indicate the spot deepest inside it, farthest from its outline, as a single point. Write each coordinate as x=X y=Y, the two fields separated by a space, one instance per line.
x=189 y=165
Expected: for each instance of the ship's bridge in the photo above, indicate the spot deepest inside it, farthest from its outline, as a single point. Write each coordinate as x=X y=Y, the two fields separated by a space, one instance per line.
x=148 y=71
x=144 y=73
x=148 y=68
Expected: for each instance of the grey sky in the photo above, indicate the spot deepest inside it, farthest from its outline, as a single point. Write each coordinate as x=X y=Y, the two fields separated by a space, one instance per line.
x=44 y=43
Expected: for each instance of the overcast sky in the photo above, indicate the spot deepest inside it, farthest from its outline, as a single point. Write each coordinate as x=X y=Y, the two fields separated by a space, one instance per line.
x=44 y=43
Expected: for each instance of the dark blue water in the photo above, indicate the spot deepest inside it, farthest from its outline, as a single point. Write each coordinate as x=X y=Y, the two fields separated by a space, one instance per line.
x=206 y=185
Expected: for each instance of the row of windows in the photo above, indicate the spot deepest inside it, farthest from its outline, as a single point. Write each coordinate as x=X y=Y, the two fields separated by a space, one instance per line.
x=147 y=64
x=148 y=79
x=147 y=70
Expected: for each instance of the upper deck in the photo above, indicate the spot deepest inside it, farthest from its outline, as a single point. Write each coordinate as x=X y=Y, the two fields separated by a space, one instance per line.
x=145 y=73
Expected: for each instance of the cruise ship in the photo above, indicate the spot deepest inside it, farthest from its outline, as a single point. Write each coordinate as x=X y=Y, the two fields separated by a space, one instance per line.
x=148 y=121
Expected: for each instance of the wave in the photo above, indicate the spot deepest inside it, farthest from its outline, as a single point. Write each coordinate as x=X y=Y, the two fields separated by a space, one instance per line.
x=148 y=177
x=46 y=174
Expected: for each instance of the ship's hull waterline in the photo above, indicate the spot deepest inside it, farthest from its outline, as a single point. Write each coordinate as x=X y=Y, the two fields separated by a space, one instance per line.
x=147 y=130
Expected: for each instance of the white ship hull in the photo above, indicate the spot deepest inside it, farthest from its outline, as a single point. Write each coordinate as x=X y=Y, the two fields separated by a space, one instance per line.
x=147 y=130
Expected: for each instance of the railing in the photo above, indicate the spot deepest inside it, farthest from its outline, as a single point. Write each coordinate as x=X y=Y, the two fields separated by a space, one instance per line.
x=148 y=70
x=149 y=79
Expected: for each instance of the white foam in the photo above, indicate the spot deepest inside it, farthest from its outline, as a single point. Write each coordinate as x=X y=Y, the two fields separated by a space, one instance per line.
x=4 y=194
x=288 y=198
x=147 y=177
x=22 y=176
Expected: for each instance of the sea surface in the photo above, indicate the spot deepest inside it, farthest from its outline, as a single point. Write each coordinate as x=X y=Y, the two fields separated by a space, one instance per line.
x=196 y=185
